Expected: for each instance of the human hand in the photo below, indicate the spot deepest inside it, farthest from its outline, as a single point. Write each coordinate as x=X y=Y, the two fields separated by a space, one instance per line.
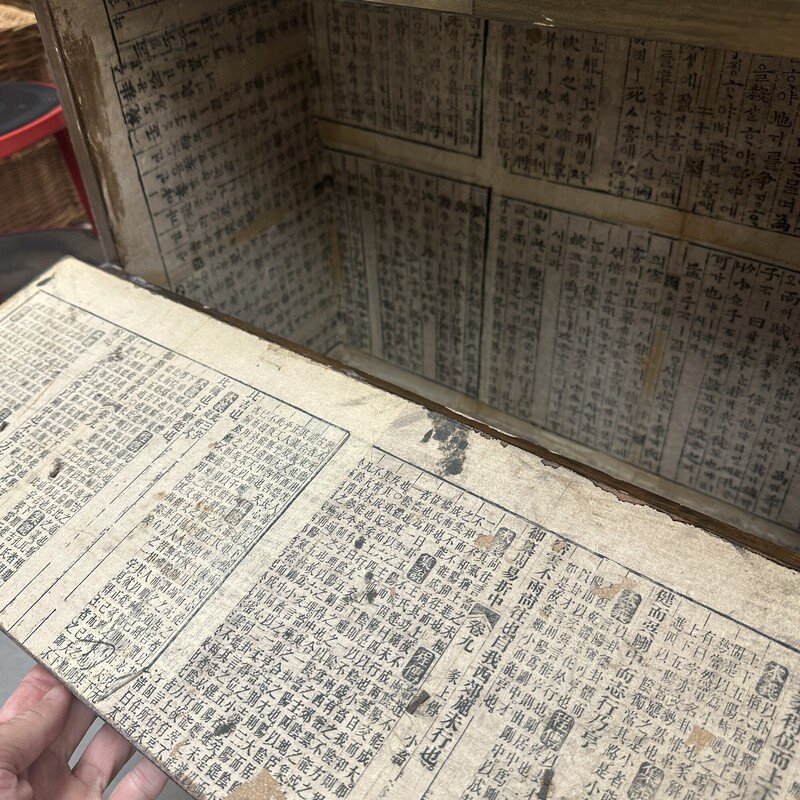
x=41 y=724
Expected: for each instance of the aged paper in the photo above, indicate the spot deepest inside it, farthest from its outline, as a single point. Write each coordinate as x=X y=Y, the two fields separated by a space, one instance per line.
x=675 y=357
x=282 y=582
x=710 y=131
x=412 y=253
x=591 y=238
x=664 y=346
x=200 y=120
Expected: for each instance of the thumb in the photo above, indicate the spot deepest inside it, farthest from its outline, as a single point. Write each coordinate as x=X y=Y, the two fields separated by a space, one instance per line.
x=27 y=735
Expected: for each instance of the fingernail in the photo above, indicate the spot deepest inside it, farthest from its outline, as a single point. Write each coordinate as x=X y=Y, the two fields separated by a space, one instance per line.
x=53 y=694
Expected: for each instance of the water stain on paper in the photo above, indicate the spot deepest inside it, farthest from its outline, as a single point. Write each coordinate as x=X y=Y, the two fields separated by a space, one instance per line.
x=485 y=541
x=699 y=738
x=262 y=787
x=181 y=743
x=610 y=592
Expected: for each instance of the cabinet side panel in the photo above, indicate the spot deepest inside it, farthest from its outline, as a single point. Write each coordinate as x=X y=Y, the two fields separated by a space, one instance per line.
x=199 y=122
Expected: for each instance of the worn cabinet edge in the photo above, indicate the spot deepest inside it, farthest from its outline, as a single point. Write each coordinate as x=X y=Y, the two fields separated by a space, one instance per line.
x=623 y=490
x=77 y=125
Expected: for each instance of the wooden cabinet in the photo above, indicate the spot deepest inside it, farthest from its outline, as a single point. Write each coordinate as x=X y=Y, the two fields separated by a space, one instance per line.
x=576 y=222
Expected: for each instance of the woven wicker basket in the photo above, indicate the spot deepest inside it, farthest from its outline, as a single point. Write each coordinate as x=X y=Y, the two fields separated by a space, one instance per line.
x=36 y=178
x=21 y=52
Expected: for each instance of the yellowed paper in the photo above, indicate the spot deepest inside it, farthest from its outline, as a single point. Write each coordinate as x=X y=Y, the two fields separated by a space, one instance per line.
x=592 y=237
x=281 y=582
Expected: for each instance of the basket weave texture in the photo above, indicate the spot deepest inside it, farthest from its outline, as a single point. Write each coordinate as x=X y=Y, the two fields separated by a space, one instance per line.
x=35 y=184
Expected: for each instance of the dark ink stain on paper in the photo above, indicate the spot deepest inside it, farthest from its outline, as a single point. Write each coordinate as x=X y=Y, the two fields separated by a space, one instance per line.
x=490 y=615
x=58 y=465
x=534 y=35
x=371 y=592
x=320 y=186
x=419 y=700
x=225 y=728
x=359 y=542
x=451 y=437
x=547 y=782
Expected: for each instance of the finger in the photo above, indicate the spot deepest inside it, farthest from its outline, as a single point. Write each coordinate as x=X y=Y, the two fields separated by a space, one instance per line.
x=32 y=688
x=144 y=782
x=103 y=759
x=25 y=737
x=80 y=720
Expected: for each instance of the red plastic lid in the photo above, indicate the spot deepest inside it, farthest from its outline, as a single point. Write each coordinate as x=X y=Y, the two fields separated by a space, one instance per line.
x=28 y=112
